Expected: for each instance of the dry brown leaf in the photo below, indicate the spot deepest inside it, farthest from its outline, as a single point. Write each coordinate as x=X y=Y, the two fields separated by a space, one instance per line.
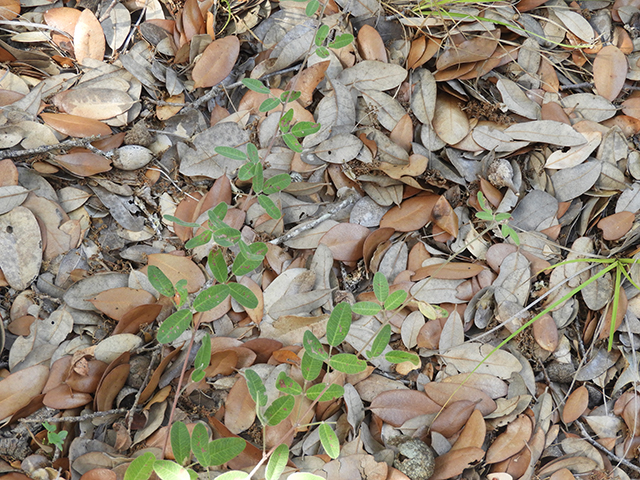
x=575 y=405
x=545 y=331
x=94 y=103
x=185 y=211
x=88 y=382
x=8 y=173
x=83 y=162
x=412 y=214
x=165 y=112
x=453 y=417
x=616 y=226
x=397 y=406
x=17 y=390
x=88 y=37
x=63 y=397
x=444 y=216
x=177 y=268
x=449 y=271
x=240 y=411
x=99 y=474
x=308 y=80
x=75 y=126
x=631 y=107
x=255 y=314
x=441 y=393
x=9 y=9
x=135 y=318
x=116 y=302
x=610 y=72
x=470 y=51
x=370 y=44
x=192 y=20
x=454 y=462
x=111 y=384
x=512 y=441
x=216 y=62
x=345 y=241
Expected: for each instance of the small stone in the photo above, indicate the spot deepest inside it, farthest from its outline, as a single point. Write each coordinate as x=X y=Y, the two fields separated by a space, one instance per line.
x=138 y=135
x=561 y=372
x=132 y=157
x=414 y=458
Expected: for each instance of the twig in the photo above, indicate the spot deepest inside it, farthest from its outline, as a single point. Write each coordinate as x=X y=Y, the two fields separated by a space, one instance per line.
x=613 y=456
x=80 y=418
x=294 y=232
x=577 y=86
x=35 y=25
x=72 y=142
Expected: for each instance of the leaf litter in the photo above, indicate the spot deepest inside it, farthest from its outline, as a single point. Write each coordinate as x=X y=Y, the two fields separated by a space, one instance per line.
x=113 y=119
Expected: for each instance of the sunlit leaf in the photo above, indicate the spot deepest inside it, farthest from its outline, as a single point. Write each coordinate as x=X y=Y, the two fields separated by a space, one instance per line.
x=334 y=391
x=174 y=326
x=277 y=462
x=243 y=295
x=329 y=440
x=347 y=363
x=211 y=297
x=395 y=299
x=159 y=281
x=380 y=342
x=231 y=152
x=397 y=356
x=366 y=308
x=338 y=324
x=280 y=409
x=256 y=387
x=287 y=385
x=141 y=468
x=223 y=450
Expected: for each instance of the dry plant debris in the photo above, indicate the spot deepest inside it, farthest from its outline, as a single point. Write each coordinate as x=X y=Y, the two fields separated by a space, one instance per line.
x=124 y=125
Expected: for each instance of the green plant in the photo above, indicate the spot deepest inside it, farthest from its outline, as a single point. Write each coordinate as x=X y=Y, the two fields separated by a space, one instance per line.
x=55 y=438
x=500 y=218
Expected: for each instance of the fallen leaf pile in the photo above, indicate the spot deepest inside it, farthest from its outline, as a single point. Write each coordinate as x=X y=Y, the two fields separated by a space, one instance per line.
x=111 y=116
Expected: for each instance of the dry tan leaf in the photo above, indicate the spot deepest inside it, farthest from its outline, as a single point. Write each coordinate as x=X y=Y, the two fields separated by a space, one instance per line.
x=63 y=397
x=450 y=271
x=110 y=385
x=397 y=406
x=63 y=18
x=308 y=80
x=165 y=112
x=470 y=51
x=177 y=268
x=17 y=390
x=345 y=241
x=631 y=107
x=441 y=393
x=512 y=441
x=240 y=411
x=548 y=76
x=617 y=225
x=75 y=126
x=21 y=246
x=562 y=474
x=135 y=318
x=575 y=155
x=370 y=44
x=94 y=103
x=8 y=173
x=412 y=214
x=255 y=314
x=87 y=383
x=610 y=72
x=450 y=122
x=402 y=134
x=216 y=62
x=575 y=405
x=192 y=20
x=444 y=216
x=99 y=474
x=83 y=162
x=545 y=331
x=453 y=417
x=88 y=37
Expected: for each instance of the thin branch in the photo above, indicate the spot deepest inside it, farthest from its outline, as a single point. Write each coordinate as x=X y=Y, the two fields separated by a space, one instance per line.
x=71 y=143
x=610 y=454
x=79 y=418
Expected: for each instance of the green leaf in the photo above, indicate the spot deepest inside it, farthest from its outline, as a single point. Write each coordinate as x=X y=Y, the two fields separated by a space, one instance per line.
x=313 y=347
x=141 y=468
x=277 y=183
x=380 y=287
x=235 y=475
x=180 y=441
x=242 y=266
x=289 y=96
x=277 y=462
x=246 y=171
x=342 y=41
x=322 y=52
x=366 y=308
x=482 y=201
x=302 y=476
x=198 y=375
x=198 y=240
x=255 y=85
x=203 y=357
x=334 y=391
x=288 y=385
x=219 y=211
x=252 y=153
x=487 y=217
x=226 y=236
x=347 y=363
x=181 y=290
x=292 y=142
x=223 y=450
x=395 y=300
x=192 y=474
x=286 y=119
x=168 y=470
x=269 y=206
x=200 y=444
x=218 y=266
x=211 y=297
x=501 y=217
x=310 y=367
x=258 y=178
x=269 y=104
x=174 y=326
x=230 y=152
x=312 y=8
x=182 y=223
x=302 y=129
x=280 y=409
x=339 y=324
x=160 y=281
x=380 y=342
x=329 y=440
x=321 y=35
x=243 y=295
x=248 y=251
x=397 y=356
x=257 y=390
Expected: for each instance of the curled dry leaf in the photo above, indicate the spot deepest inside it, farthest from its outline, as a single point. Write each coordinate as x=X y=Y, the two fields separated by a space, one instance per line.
x=575 y=405
x=216 y=62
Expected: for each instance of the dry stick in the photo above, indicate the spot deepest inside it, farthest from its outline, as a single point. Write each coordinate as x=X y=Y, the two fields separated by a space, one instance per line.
x=79 y=418
x=613 y=456
x=72 y=142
